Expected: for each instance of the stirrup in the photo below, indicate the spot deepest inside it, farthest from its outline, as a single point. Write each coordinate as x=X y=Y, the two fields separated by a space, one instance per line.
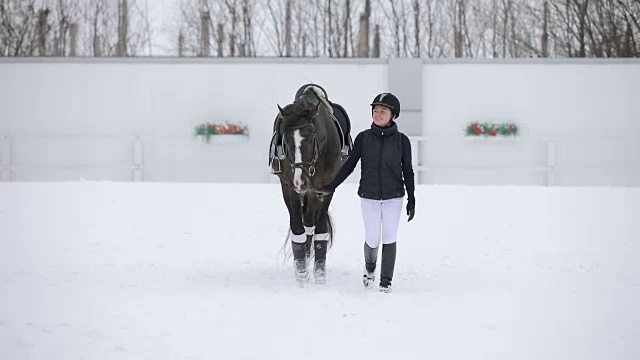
x=274 y=171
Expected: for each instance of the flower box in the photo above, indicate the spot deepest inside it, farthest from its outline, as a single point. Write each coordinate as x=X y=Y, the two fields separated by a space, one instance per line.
x=225 y=132
x=491 y=129
x=224 y=139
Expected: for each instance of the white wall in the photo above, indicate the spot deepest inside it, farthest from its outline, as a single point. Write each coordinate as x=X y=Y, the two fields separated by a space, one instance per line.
x=76 y=119
x=67 y=121
x=580 y=119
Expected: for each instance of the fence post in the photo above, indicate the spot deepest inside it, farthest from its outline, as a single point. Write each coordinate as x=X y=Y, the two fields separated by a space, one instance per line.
x=551 y=162
x=6 y=158
x=137 y=159
x=415 y=157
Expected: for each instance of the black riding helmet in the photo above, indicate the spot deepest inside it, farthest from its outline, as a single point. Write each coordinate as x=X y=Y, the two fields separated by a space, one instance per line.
x=301 y=90
x=387 y=100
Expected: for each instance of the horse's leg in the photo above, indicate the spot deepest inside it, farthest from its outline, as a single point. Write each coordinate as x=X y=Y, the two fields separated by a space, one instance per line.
x=309 y=222
x=321 y=239
x=298 y=237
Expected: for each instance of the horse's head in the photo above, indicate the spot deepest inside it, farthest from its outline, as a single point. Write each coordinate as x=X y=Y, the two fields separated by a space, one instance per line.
x=299 y=130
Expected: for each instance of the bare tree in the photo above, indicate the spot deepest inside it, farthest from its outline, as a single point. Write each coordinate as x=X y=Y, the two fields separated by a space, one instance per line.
x=416 y=27
x=17 y=27
x=545 y=30
x=73 y=39
x=329 y=33
x=397 y=25
x=232 y=11
x=333 y=28
x=108 y=29
x=428 y=17
x=220 y=38
x=287 y=29
x=457 y=11
x=205 y=31
x=277 y=41
x=180 y=45
x=363 y=30
x=43 y=31
x=376 y=42
x=249 y=47
x=123 y=27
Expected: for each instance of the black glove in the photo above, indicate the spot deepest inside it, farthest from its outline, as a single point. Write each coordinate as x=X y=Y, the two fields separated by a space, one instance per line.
x=411 y=208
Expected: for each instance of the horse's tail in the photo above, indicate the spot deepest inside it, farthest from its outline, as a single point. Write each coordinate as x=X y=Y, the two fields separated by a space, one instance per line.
x=287 y=239
x=330 y=229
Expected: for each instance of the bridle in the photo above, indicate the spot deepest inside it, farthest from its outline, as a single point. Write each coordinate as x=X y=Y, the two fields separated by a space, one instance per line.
x=311 y=165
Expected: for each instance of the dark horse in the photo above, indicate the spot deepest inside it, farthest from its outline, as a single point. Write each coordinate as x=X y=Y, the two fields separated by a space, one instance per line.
x=312 y=145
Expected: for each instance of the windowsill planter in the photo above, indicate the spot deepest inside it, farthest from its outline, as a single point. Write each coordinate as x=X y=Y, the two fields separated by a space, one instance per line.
x=223 y=139
x=222 y=133
x=491 y=130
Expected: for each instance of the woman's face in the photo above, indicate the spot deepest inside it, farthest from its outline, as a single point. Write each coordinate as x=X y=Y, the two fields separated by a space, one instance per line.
x=381 y=115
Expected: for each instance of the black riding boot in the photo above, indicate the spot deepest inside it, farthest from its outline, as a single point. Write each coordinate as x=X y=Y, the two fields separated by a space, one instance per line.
x=370 y=260
x=387 y=265
x=300 y=262
x=319 y=266
x=370 y=257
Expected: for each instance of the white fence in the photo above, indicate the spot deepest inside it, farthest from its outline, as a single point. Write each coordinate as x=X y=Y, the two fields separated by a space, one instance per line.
x=538 y=161
x=530 y=161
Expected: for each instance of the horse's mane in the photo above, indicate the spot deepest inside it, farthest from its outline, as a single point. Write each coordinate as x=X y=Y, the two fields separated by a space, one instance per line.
x=300 y=111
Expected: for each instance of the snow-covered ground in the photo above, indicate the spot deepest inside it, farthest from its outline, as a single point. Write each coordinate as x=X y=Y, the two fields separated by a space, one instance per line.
x=102 y=270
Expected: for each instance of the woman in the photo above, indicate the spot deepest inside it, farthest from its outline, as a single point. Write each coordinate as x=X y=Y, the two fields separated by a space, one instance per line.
x=386 y=171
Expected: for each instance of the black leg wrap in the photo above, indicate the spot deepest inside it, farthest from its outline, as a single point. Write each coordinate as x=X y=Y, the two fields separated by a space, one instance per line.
x=370 y=257
x=388 y=264
x=298 y=250
x=320 y=249
x=320 y=263
x=300 y=262
x=307 y=245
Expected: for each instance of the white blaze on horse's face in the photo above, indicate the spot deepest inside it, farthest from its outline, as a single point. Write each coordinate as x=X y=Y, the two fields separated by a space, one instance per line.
x=297 y=173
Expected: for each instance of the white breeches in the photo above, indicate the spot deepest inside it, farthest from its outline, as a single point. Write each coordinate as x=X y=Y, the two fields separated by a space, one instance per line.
x=381 y=220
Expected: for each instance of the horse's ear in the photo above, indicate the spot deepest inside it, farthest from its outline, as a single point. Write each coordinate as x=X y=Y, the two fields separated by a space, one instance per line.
x=279 y=110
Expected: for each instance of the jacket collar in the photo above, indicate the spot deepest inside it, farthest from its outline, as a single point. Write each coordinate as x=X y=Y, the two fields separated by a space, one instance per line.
x=384 y=131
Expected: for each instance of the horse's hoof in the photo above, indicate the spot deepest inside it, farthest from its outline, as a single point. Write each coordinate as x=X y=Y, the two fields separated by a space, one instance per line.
x=302 y=282
x=320 y=277
x=320 y=272
x=302 y=277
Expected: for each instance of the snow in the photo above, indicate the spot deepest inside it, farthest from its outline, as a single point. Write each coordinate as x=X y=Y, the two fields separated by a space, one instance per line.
x=107 y=270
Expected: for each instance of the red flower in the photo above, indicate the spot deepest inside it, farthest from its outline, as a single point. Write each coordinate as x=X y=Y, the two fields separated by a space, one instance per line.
x=493 y=132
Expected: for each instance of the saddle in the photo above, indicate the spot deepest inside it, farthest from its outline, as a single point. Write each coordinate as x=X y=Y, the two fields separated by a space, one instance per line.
x=341 y=121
